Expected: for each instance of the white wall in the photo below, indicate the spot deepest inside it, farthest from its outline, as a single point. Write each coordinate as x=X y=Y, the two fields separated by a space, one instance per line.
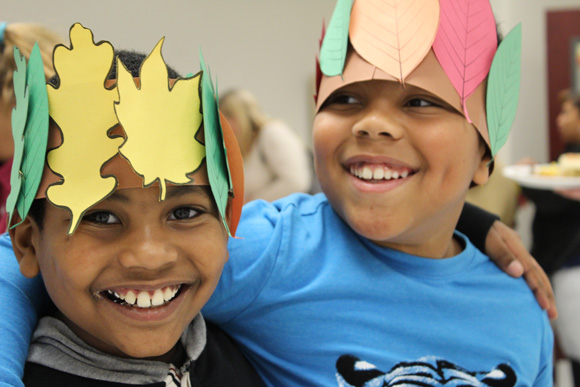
x=530 y=132
x=266 y=46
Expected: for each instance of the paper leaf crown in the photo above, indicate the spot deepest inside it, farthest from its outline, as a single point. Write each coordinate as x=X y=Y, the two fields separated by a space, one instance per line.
x=394 y=37
x=150 y=123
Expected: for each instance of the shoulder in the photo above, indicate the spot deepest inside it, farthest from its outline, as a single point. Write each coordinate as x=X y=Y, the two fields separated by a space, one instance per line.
x=5 y=244
x=222 y=364
x=261 y=212
x=42 y=376
x=264 y=225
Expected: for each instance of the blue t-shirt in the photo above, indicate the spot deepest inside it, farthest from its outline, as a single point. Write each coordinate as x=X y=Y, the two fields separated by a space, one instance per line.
x=313 y=303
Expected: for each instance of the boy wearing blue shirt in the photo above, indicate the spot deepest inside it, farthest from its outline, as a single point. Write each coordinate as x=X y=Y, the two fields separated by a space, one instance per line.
x=369 y=284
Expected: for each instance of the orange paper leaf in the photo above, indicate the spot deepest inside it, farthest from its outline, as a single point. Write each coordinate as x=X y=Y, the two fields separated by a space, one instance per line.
x=394 y=35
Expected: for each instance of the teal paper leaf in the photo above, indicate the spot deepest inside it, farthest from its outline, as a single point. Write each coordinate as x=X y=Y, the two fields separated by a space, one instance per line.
x=335 y=43
x=217 y=168
x=36 y=132
x=503 y=89
x=19 y=114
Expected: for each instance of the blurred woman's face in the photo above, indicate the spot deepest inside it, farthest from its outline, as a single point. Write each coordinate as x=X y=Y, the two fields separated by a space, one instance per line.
x=568 y=122
x=6 y=141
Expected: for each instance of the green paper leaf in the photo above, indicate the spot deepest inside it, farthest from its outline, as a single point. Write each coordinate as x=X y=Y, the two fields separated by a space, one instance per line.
x=503 y=89
x=36 y=132
x=19 y=114
x=335 y=43
x=216 y=162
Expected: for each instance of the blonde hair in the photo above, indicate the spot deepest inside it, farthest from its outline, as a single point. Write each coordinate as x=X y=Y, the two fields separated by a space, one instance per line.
x=23 y=36
x=244 y=108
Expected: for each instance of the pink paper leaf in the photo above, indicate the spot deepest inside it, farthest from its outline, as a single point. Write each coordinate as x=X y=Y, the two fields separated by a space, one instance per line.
x=466 y=43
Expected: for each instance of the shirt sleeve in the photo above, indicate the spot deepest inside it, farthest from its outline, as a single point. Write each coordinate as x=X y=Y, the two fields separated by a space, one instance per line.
x=253 y=254
x=476 y=223
x=21 y=299
x=546 y=374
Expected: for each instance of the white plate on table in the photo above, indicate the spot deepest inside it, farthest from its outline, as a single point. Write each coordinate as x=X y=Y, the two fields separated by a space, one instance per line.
x=523 y=175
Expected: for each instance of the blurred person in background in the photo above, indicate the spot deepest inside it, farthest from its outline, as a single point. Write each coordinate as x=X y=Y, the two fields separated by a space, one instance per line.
x=556 y=238
x=276 y=160
x=23 y=36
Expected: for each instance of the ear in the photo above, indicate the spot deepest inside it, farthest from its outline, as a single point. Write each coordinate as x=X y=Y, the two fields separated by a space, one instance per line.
x=23 y=242
x=481 y=175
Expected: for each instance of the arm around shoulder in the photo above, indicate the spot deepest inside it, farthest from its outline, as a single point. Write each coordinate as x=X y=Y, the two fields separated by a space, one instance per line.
x=22 y=298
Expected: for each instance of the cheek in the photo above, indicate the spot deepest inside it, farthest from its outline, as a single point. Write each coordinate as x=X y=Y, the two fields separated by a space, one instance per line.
x=327 y=133
x=210 y=259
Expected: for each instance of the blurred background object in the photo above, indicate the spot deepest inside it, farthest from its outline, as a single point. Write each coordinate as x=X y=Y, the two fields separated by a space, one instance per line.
x=277 y=162
x=23 y=36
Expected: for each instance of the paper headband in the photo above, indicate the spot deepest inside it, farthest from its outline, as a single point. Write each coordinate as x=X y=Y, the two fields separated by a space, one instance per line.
x=447 y=47
x=116 y=134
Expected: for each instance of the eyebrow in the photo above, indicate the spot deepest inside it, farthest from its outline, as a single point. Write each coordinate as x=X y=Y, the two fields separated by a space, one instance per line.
x=172 y=192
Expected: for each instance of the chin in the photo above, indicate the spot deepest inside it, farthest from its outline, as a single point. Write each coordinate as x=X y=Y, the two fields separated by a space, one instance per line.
x=148 y=349
x=368 y=227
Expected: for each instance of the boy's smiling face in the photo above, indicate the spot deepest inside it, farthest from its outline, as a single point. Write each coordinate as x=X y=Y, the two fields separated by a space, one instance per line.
x=422 y=156
x=132 y=246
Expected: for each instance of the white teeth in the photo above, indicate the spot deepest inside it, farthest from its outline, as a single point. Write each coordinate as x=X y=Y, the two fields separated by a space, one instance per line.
x=157 y=298
x=130 y=297
x=168 y=294
x=367 y=173
x=143 y=300
x=378 y=174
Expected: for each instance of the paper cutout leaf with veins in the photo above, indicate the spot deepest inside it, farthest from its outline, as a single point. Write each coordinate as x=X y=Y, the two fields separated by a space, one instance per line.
x=19 y=114
x=335 y=43
x=217 y=165
x=394 y=35
x=466 y=43
x=160 y=123
x=84 y=111
x=36 y=132
x=503 y=89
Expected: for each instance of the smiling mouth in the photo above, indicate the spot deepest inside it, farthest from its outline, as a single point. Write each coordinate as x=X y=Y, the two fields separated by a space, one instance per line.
x=379 y=172
x=141 y=298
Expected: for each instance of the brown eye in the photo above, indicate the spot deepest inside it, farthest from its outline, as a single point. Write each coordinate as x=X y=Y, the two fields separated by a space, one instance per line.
x=183 y=213
x=420 y=102
x=101 y=217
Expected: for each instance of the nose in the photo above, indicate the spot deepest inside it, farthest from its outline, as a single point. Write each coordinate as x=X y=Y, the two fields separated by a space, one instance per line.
x=378 y=123
x=147 y=248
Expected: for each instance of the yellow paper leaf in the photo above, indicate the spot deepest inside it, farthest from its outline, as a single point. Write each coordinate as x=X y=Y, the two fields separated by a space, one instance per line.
x=394 y=35
x=84 y=111
x=160 y=123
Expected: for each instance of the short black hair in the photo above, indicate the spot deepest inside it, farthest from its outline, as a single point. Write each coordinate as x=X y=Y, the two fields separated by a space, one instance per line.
x=132 y=61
